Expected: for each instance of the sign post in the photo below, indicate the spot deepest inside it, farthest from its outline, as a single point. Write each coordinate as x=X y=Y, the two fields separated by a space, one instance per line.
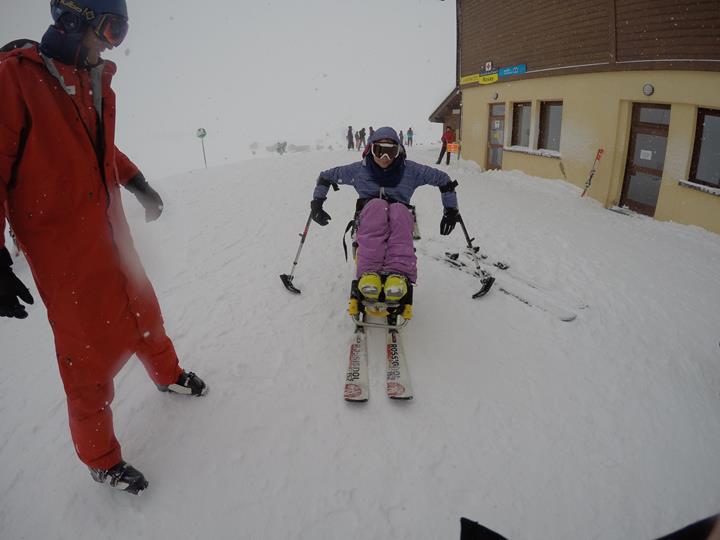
x=201 y=133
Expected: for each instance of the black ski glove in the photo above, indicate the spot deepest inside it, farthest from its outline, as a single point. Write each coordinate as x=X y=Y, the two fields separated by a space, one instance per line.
x=320 y=216
x=11 y=288
x=147 y=196
x=450 y=217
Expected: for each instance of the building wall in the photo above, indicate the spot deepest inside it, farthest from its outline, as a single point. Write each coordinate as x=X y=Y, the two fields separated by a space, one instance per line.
x=553 y=37
x=496 y=30
x=597 y=113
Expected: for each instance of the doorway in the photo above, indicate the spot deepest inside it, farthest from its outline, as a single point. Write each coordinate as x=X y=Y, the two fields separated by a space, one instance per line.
x=496 y=136
x=646 y=157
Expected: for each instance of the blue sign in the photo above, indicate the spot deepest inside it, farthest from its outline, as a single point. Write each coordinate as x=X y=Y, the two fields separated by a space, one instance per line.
x=513 y=70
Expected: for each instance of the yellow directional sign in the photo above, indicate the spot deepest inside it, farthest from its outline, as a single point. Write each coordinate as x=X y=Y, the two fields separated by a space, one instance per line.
x=480 y=78
x=469 y=79
x=489 y=78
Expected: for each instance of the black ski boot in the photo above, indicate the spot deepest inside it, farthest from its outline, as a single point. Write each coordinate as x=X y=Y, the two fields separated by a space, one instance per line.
x=188 y=384
x=122 y=476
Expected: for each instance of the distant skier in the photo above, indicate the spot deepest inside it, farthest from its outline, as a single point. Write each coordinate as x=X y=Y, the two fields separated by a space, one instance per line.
x=370 y=132
x=362 y=138
x=410 y=136
x=402 y=137
x=60 y=177
x=385 y=181
x=447 y=138
x=350 y=139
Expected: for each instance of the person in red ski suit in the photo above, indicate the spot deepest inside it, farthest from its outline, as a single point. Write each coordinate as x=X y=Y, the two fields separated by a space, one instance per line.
x=447 y=138
x=60 y=178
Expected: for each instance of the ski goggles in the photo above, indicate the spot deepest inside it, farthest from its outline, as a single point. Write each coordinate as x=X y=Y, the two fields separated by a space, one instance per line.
x=111 y=28
x=380 y=149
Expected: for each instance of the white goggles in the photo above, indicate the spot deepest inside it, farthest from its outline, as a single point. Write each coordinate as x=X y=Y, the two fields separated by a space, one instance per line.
x=380 y=149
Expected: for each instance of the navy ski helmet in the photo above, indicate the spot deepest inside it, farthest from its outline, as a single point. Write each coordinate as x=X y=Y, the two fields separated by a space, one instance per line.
x=107 y=17
x=64 y=40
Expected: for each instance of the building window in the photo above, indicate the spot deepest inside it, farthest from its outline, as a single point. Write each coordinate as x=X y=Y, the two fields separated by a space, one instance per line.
x=521 y=124
x=705 y=168
x=550 y=122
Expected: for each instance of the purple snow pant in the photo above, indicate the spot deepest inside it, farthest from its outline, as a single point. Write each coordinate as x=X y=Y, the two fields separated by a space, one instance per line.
x=385 y=241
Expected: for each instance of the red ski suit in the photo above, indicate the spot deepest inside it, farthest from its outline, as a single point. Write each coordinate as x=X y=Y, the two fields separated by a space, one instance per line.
x=448 y=137
x=60 y=177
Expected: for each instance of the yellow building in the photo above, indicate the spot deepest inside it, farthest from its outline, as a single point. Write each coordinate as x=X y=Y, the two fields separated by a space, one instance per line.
x=542 y=86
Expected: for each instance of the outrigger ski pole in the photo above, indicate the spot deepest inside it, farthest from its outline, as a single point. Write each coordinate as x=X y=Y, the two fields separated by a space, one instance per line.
x=486 y=279
x=287 y=279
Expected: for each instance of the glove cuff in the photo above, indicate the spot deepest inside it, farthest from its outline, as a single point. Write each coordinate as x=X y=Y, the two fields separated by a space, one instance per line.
x=137 y=184
x=5 y=258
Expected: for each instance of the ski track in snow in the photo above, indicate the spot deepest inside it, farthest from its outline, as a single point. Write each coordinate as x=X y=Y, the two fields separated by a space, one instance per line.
x=606 y=427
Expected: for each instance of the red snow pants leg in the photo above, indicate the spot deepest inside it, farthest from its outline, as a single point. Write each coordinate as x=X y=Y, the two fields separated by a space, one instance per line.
x=91 y=424
x=88 y=380
x=160 y=361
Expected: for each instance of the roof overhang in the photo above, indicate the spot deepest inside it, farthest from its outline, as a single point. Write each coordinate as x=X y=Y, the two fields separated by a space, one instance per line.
x=446 y=108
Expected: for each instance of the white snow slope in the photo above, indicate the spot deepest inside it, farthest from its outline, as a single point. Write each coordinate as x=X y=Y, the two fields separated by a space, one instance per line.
x=606 y=427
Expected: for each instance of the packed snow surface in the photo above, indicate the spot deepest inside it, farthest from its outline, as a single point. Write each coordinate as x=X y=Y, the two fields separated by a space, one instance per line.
x=605 y=427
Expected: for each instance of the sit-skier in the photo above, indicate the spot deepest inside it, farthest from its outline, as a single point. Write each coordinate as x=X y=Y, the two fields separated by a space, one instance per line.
x=385 y=181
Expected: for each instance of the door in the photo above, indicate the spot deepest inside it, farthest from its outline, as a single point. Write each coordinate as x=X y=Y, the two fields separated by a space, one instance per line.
x=496 y=136
x=646 y=157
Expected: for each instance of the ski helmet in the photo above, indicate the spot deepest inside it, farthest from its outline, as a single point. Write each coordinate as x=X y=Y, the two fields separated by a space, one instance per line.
x=71 y=14
x=64 y=40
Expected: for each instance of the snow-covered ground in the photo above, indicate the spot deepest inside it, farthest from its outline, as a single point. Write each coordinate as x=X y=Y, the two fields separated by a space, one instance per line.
x=606 y=427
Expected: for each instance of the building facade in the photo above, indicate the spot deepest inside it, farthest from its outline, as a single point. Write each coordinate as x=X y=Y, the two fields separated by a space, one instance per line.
x=542 y=85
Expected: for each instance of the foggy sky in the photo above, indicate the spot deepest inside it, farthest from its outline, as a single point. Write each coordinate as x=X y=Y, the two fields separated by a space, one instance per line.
x=266 y=71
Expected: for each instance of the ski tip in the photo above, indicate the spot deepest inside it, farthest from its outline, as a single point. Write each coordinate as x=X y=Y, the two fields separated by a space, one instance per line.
x=396 y=390
x=287 y=281
x=355 y=393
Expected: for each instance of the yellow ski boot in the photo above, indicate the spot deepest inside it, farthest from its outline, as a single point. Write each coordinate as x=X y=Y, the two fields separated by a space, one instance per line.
x=370 y=285
x=395 y=287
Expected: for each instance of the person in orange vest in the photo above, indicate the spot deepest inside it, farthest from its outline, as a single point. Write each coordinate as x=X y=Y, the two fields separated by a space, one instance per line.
x=60 y=178
x=447 y=138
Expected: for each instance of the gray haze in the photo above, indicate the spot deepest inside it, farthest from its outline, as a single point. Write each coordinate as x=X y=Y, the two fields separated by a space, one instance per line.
x=300 y=71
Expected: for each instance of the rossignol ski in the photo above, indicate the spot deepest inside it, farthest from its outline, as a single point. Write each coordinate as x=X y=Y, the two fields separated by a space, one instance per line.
x=356 y=379
x=398 y=376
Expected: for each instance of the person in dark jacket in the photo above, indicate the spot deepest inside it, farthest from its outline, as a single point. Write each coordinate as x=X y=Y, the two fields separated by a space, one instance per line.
x=350 y=139
x=410 y=136
x=447 y=138
x=60 y=178
x=385 y=182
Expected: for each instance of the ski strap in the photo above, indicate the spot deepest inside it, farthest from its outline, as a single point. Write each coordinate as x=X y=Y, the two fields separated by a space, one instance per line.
x=350 y=227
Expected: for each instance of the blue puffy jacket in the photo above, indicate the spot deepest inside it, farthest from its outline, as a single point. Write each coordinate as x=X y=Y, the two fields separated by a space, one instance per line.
x=359 y=175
